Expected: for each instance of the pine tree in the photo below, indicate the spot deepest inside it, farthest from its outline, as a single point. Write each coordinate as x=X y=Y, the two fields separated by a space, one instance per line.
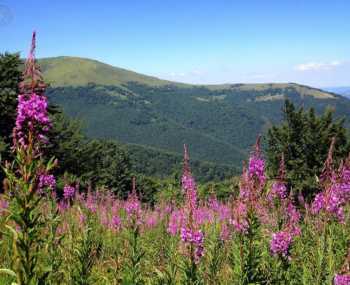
x=304 y=139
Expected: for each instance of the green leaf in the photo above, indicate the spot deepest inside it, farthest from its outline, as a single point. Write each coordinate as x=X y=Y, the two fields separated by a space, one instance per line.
x=8 y=272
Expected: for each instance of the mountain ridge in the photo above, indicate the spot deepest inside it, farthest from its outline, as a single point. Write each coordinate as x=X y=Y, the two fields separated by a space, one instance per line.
x=125 y=75
x=219 y=122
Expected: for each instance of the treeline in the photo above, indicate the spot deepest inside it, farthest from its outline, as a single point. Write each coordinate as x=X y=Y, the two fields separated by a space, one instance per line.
x=163 y=164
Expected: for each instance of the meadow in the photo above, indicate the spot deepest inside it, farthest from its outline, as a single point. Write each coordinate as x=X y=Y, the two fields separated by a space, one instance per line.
x=263 y=234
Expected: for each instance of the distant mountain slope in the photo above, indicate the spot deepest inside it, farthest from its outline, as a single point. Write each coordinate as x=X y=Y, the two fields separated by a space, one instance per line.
x=75 y=71
x=218 y=122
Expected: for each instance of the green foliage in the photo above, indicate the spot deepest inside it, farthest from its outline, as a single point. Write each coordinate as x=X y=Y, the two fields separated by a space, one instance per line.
x=223 y=190
x=105 y=163
x=86 y=252
x=215 y=256
x=246 y=254
x=163 y=164
x=132 y=273
x=10 y=75
x=29 y=242
x=304 y=139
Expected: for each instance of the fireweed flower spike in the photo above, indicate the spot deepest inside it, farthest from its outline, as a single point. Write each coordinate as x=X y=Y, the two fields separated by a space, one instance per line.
x=256 y=167
x=32 y=122
x=27 y=175
x=133 y=205
x=288 y=216
x=187 y=181
x=328 y=169
x=336 y=189
x=191 y=236
x=253 y=177
x=278 y=188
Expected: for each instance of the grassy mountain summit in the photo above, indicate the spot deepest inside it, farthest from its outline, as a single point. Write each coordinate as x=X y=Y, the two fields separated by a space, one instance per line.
x=75 y=71
x=218 y=122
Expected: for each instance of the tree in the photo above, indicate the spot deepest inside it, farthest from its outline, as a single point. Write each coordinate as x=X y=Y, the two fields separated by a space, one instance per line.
x=10 y=76
x=304 y=139
x=105 y=163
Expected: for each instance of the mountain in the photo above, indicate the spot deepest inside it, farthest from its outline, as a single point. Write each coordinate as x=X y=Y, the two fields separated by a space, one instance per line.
x=75 y=71
x=219 y=122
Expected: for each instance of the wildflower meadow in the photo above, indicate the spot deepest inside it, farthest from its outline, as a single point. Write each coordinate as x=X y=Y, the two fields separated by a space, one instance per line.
x=264 y=234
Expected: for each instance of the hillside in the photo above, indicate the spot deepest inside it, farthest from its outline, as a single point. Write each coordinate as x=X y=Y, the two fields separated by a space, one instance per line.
x=75 y=71
x=218 y=122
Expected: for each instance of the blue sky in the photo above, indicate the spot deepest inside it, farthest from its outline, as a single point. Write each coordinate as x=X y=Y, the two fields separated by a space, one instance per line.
x=196 y=41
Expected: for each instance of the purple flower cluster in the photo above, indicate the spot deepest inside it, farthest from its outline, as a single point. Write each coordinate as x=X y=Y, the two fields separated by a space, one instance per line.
x=195 y=239
x=336 y=184
x=32 y=121
x=282 y=240
x=256 y=168
x=280 y=243
x=253 y=179
x=68 y=192
x=318 y=203
x=32 y=116
x=289 y=217
x=46 y=181
x=278 y=191
x=332 y=200
x=342 y=279
x=133 y=206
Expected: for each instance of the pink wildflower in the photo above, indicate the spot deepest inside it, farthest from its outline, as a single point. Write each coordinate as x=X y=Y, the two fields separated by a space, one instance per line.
x=68 y=192
x=280 y=243
x=342 y=279
x=46 y=181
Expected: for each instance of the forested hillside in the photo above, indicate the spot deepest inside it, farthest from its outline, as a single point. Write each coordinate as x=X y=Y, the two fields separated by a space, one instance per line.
x=218 y=122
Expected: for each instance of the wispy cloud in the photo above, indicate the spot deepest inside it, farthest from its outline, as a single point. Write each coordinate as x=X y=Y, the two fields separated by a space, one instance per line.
x=316 y=66
x=185 y=76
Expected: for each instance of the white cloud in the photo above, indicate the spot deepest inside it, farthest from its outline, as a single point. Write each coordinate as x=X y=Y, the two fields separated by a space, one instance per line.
x=316 y=66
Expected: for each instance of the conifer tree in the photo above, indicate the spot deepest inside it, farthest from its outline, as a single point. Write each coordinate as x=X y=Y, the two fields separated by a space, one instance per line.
x=304 y=138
